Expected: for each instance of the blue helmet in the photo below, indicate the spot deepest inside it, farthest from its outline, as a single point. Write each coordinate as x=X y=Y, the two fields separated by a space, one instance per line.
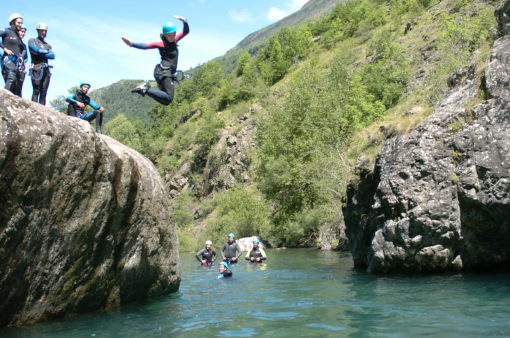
x=85 y=83
x=231 y=235
x=169 y=28
x=224 y=264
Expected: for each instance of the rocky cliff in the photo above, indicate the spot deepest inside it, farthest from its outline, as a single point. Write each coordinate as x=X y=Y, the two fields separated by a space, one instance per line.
x=84 y=221
x=438 y=198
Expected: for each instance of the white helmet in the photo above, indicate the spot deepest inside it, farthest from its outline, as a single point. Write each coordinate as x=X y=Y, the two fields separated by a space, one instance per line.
x=15 y=16
x=208 y=242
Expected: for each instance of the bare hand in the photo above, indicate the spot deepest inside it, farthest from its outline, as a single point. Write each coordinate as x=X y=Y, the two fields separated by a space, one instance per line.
x=80 y=105
x=233 y=259
x=127 y=41
x=8 y=51
x=181 y=18
x=101 y=109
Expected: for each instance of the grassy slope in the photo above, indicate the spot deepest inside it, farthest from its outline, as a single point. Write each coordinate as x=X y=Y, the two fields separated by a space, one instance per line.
x=432 y=60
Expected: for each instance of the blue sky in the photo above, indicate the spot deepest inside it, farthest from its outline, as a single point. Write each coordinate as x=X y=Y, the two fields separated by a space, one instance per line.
x=86 y=35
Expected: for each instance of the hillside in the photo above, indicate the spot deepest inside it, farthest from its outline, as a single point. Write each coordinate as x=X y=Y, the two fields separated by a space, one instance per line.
x=269 y=149
x=312 y=10
x=118 y=99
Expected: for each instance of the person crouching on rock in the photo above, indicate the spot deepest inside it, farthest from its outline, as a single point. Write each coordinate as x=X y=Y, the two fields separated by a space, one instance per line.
x=256 y=254
x=224 y=271
x=77 y=103
x=207 y=255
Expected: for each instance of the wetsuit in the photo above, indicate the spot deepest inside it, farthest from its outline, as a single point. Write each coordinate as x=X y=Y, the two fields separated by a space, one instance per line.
x=206 y=254
x=74 y=110
x=164 y=72
x=40 y=73
x=13 y=66
x=225 y=274
x=231 y=250
x=257 y=252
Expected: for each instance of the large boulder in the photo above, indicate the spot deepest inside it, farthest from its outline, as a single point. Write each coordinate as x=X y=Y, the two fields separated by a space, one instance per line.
x=438 y=198
x=84 y=220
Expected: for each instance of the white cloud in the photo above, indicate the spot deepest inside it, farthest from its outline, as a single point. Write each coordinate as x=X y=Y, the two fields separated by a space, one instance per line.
x=275 y=14
x=240 y=16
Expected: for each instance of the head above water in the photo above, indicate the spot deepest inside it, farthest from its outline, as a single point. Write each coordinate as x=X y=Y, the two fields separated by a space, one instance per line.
x=223 y=266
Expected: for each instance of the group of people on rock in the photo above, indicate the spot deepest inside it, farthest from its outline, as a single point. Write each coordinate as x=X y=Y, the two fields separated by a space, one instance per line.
x=15 y=57
x=231 y=252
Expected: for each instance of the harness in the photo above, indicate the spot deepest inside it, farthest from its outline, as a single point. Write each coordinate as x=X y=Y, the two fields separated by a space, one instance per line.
x=41 y=73
x=15 y=60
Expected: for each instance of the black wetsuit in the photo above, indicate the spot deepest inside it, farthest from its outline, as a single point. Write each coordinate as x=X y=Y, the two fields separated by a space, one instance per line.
x=40 y=73
x=164 y=72
x=206 y=254
x=231 y=250
x=225 y=274
x=13 y=66
x=75 y=111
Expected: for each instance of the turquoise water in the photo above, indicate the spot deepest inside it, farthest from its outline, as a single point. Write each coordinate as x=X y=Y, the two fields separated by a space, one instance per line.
x=303 y=293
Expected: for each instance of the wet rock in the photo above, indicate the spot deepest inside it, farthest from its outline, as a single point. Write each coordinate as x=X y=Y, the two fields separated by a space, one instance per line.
x=438 y=198
x=84 y=223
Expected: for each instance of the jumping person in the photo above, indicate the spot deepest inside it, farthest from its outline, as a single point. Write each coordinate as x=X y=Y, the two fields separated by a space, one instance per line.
x=77 y=103
x=164 y=72
x=231 y=250
x=256 y=254
x=40 y=73
x=224 y=271
x=12 y=57
x=207 y=255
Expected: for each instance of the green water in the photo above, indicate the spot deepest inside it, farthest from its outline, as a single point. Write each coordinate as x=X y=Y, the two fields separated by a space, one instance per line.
x=303 y=293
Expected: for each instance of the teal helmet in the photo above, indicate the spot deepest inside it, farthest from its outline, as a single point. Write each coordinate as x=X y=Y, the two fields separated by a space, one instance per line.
x=169 y=28
x=224 y=264
x=23 y=28
x=256 y=241
x=231 y=235
x=85 y=83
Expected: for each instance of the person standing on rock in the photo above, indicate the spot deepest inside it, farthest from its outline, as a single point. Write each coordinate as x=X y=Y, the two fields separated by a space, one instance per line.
x=77 y=103
x=256 y=254
x=18 y=90
x=40 y=52
x=12 y=57
x=206 y=256
x=231 y=250
x=164 y=73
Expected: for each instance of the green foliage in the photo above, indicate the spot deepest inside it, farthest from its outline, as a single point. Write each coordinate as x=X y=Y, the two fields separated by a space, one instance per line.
x=118 y=99
x=128 y=132
x=240 y=211
x=244 y=58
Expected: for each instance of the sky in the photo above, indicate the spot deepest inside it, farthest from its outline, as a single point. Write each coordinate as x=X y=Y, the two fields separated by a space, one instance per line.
x=86 y=35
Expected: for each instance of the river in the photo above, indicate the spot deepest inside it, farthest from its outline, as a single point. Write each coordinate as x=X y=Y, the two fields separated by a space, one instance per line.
x=303 y=293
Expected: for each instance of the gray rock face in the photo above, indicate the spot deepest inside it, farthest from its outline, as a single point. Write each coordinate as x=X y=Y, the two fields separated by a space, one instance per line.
x=439 y=197
x=84 y=220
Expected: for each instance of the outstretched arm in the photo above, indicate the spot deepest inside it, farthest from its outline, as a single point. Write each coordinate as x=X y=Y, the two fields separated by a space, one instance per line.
x=141 y=45
x=185 y=30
